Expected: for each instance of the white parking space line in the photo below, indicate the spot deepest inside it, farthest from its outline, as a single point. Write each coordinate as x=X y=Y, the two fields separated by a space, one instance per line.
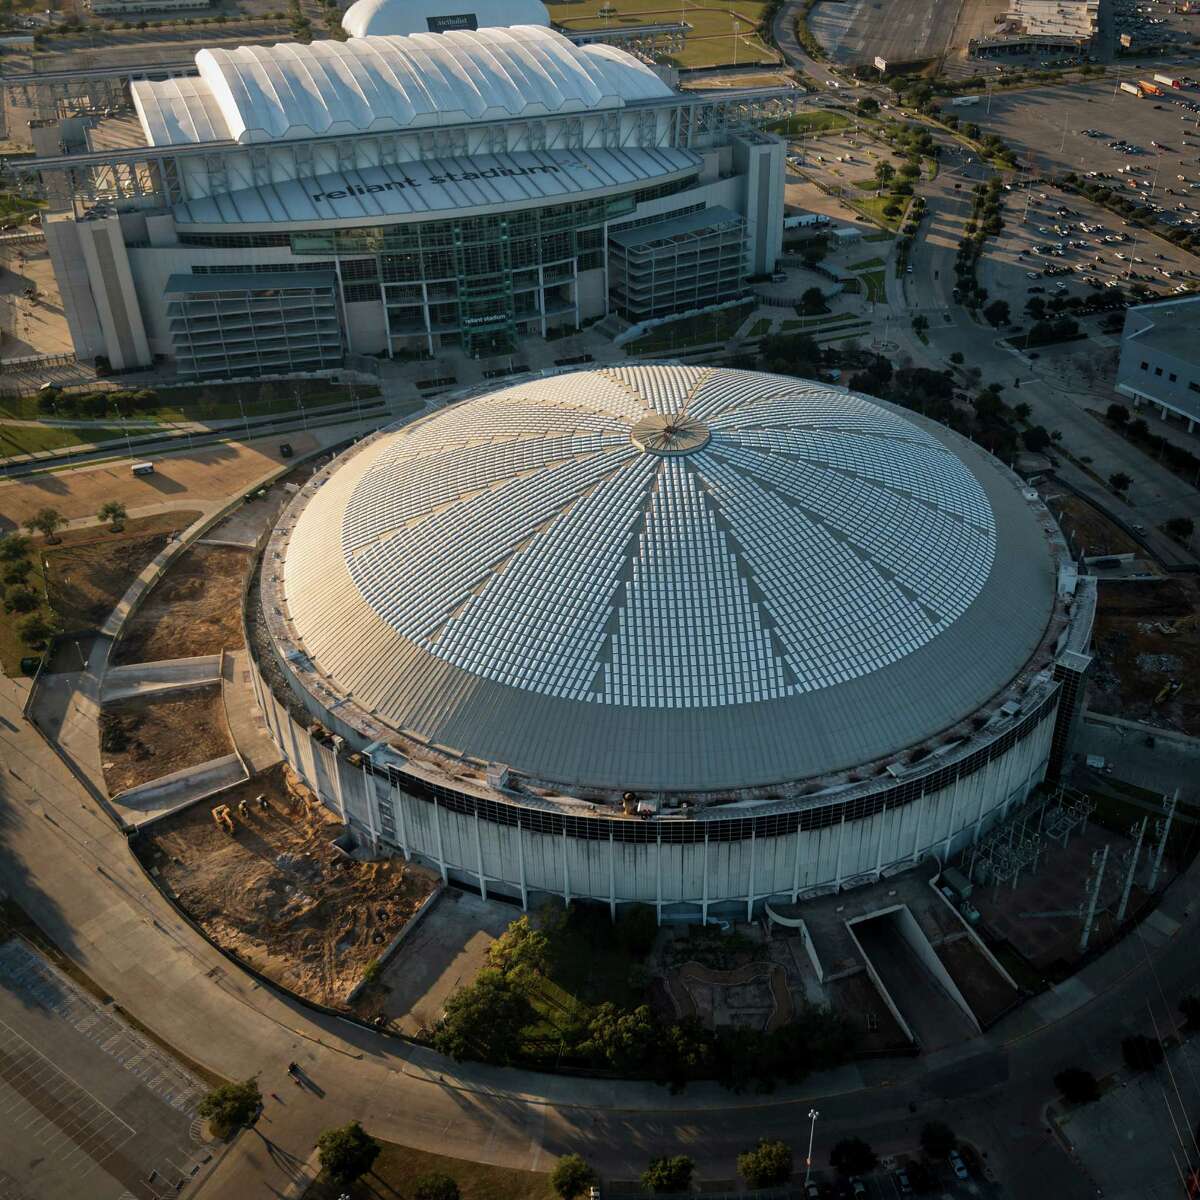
x=66 y=1112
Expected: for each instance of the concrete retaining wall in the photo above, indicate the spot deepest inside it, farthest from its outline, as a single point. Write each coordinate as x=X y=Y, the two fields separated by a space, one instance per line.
x=155 y=678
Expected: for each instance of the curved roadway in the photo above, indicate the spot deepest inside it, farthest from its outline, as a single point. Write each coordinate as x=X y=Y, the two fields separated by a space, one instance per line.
x=68 y=866
x=63 y=860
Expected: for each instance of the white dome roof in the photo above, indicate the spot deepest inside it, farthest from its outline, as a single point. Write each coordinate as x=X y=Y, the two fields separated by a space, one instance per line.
x=763 y=577
x=366 y=18
x=375 y=84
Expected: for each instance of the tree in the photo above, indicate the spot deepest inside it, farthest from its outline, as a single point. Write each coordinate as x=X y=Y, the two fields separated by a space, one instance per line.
x=852 y=1156
x=937 y=1139
x=1077 y=1085
x=957 y=358
x=812 y=302
x=769 y=1164
x=13 y=547
x=1118 y=414
x=637 y=927
x=35 y=630
x=435 y=1186
x=46 y=521
x=1119 y=482
x=1036 y=439
x=113 y=511
x=230 y=1106
x=18 y=572
x=920 y=323
x=520 y=948
x=349 y=1152
x=1189 y=1006
x=22 y=600
x=668 y=1174
x=571 y=1176
x=621 y=1038
x=484 y=1020
x=1141 y=1053
x=1180 y=528
x=884 y=173
x=868 y=104
x=996 y=313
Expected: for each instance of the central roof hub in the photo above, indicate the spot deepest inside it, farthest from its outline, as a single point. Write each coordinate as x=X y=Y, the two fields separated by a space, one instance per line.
x=669 y=434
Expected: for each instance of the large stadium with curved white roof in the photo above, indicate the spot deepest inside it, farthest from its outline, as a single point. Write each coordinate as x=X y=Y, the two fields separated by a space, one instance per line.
x=426 y=185
x=682 y=635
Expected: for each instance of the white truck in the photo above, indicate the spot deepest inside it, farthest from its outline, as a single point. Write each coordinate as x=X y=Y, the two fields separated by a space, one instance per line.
x=963 y=101
x=1132 y=89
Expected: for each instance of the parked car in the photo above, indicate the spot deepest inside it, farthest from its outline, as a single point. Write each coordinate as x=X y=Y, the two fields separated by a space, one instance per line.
x=959 y=1167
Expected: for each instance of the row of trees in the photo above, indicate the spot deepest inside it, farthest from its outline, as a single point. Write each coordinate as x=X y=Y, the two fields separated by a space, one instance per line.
x=985 y=221
x=489 y=1020
x=1178 y=458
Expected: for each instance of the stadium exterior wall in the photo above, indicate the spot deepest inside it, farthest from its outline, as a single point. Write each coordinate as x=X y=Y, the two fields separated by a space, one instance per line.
x=727 y=864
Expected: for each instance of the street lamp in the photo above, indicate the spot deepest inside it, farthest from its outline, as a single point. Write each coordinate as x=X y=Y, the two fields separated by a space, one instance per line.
x=812 y=1128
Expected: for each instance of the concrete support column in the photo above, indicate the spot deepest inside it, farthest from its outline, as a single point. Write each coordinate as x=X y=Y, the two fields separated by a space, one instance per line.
x=401 y=813
x=658 y=875
x=612 y=873
x=796 y=863
x=437 y=822
x=879 y=842
x=916 y=854
x=479 y=859
x=841 y=843
x=521 y=866
x=704 y=894
x=750 y=881
x=953 y=827
x=566 y=867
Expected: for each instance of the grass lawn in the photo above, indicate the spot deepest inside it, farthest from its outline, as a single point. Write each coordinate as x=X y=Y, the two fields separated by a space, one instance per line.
x=865 y=185
x=397 y=1168
x=711 y=39
x=26 y=439
x=868 y=264
x=873 y=207
x=699 y=330
x=760 y=327
x=874 y=282
x=215 y=401
x=811 y=121
x=86 y=573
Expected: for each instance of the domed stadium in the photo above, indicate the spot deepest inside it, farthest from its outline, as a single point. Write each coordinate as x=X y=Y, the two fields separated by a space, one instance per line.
x=649 y=608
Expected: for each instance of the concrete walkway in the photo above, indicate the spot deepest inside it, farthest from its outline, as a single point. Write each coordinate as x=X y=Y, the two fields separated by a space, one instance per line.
x=158 y=678
x=171 y=793
x=247 y=726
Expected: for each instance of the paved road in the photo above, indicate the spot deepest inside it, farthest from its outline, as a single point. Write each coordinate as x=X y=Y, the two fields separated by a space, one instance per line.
x=67 y=865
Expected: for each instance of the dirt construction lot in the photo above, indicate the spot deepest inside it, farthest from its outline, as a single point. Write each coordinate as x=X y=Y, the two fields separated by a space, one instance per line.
x=1148 y=639
x=93 y=568
x=141 y=740
x=196 y=609
x=278 y=894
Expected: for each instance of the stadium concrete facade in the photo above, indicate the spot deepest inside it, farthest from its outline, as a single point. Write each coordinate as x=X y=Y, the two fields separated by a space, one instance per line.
x=277 y=208
x=683 y=636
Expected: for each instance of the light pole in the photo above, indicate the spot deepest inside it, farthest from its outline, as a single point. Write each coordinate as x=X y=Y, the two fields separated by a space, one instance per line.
x=812 y=1128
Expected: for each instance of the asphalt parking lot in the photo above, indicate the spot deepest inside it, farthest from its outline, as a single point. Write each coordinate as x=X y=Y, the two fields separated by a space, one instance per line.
x=885 y=1185
x=88 y=1107
x=1045 y=126
x=1082 y=251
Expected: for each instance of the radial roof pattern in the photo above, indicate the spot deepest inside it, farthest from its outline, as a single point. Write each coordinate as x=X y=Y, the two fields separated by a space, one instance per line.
x=654 y=541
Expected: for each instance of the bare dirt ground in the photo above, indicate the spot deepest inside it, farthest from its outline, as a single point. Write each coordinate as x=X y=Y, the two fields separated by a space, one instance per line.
x=858 y=999
x=1092 y=531
x=987 y=991
x=196 y=609
x=141 y=740
x=1137 y=657
x=93 y=567
x=278 y=894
